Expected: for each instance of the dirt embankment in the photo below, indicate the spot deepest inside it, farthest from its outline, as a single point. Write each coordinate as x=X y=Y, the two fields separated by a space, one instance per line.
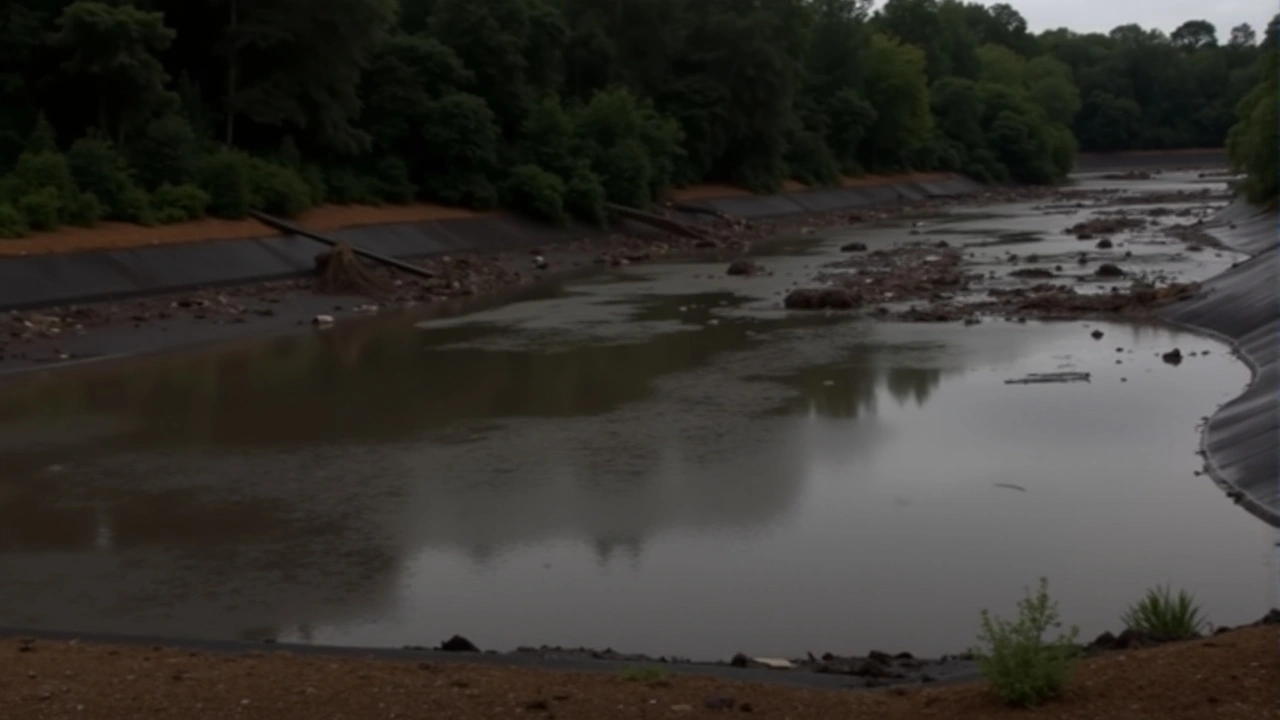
x=1233 y=676
x=113 y=236
x=57 y=334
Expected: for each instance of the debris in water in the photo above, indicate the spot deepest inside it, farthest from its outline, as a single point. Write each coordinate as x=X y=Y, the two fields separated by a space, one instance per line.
x=322 y=320
x=341 y=273
x=1011 y=486
x=1173 y=357
x=1097 y=334
x=1060 y=377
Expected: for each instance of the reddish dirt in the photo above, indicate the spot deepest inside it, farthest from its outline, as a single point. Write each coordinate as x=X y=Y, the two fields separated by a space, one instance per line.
x=1235 y=676
x=108 y=236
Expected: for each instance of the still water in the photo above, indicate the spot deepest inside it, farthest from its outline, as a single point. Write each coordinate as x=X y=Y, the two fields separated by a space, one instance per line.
x=652 y=460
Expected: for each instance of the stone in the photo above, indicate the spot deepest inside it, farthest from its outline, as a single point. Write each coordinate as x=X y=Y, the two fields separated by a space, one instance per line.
x=744 y=268
x=854 y=247
x=1109 y=270
x=457 y=643
x=820 y=299
x=1173 y=357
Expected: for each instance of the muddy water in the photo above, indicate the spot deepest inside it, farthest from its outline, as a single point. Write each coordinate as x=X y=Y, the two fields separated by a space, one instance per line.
x=657 y=460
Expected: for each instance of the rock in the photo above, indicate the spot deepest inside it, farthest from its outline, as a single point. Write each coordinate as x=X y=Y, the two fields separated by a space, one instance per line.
x=746 y=707
x=942 y=244
x=537 y=706
x=744 y=268
x=820 y=299
x=719 y=703
x=322 y=320
x=1032 y=273
x=540 y=262
x=1104 y=244
x=1097 y=334
x=706 y=244
x=854 y=247
x=1173 y=357
x=457 y=643
x=1109 y=270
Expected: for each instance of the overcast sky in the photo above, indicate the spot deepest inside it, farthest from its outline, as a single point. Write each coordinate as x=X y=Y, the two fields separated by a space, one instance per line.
x=1102 y=15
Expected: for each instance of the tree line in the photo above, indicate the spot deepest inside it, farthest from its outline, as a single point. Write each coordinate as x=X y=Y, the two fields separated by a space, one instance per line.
x=158 y=111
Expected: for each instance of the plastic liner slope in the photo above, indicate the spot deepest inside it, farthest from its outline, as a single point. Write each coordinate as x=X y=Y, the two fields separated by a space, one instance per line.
x=36 y=281
x=1241 y=441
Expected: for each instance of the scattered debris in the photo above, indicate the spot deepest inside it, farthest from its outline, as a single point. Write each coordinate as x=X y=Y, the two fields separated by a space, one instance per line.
x=820 y=299
x=1059 y=377
x=745 y=268
x=854 y=247
x=1097 y=334
x=1173 y=357
x=1109 y=270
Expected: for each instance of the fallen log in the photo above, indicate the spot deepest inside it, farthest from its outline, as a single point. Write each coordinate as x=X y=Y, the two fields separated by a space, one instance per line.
x=289 y=228
x=700 y=210
x=671 y=226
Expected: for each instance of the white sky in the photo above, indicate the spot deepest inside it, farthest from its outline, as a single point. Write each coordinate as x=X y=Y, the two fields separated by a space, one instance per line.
x=1102 y=15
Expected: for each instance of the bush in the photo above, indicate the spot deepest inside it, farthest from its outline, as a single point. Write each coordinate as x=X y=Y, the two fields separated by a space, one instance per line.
x=625 y=174
x=175 y=203
x=167 y=152
x=134 y=206
x=84 y=210
x=96 y=167
x=314 y=178
x=1023 y=667
x=277 y=190
x=534 y=192
x=1166 y=617
x=349 y=187
x=12 y=224
x=584 y=197
x=225 y=177
x=392 y=179
x=41 y=209
x=36 y=171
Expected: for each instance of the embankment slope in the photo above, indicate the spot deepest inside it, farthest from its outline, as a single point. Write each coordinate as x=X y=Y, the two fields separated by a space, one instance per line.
x=1241 y=442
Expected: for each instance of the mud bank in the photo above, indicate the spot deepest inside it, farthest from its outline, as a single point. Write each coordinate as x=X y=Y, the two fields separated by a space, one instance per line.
x=1240 y=442
x=36 y=281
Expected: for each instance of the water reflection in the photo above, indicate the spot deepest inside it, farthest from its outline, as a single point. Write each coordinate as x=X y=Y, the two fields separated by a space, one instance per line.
x=521 y=474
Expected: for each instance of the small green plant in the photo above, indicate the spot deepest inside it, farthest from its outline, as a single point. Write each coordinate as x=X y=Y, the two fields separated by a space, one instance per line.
x=1166 y=617
x=534 y=192
x=225 y=176
x=84 y=210
x=41 y=208
x=175 y=203
x=646 y=675
x=12 y=224
x=1023 y=666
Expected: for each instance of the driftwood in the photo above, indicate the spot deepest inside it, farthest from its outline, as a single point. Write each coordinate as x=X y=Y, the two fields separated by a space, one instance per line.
x=340 y=272
x=289 y=228
x=700 y=210
x=671 y=226
x=1062 y=377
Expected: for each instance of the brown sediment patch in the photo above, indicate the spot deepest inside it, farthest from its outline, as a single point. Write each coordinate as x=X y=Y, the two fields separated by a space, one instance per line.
x=1233 y=676
x=114 y=236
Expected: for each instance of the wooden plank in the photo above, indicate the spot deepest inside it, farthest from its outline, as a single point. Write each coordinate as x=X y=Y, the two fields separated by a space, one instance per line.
x=285 y=226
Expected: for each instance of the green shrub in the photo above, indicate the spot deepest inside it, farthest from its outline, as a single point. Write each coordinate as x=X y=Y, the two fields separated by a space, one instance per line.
x=393 y=184
x=183 y=202
x=134 y=206
x=276 y=189
x=84 y=210
x=12 y=224
x=225 y=176
x=36 y=171
x=43 y=138
x=314 y=178
x=348 y=187
x=1166 y=617
x=625 y=174
x=167 y=152
x=98 y=168
x=1023 y=667
x=41 y=209
x=584 y=197
x=532 y=191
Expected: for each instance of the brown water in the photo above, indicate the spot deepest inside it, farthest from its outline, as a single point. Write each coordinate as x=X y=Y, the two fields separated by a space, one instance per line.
x=649 y=460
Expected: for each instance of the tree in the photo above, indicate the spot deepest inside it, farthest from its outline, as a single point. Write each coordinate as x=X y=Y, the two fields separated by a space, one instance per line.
x=1195 y=35
x=1243 y=35
x=898 y=90
x=112 y=49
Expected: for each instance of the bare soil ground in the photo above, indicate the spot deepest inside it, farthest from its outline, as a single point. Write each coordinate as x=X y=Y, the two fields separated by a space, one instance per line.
x=110 y=236
x=1234 y=676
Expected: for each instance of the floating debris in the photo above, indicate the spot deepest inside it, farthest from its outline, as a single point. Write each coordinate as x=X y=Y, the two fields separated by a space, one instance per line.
x=1011 y=486
x=1060 y=377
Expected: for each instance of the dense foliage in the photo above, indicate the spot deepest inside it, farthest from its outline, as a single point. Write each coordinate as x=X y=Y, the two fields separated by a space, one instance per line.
x=154 y=111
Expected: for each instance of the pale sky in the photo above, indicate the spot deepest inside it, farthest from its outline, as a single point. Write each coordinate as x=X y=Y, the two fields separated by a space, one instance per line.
x=1102 y=15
